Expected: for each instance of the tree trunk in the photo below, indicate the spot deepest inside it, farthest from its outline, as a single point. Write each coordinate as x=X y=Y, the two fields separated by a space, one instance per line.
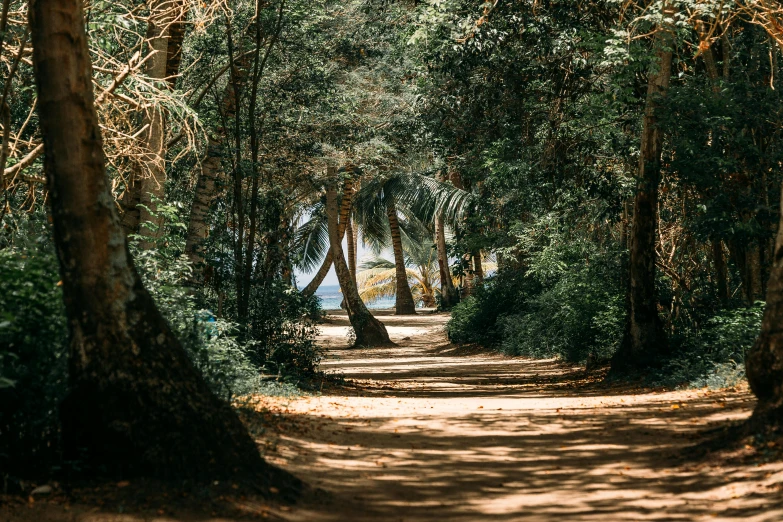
x=764 y=362
x=345 y=211
x=448 y=294
x=211 y=177
x=403 y=303
x=756 y=287
x=644 y=339
x=720 y=271
x=369 y=331
x=478 y=269
x=351 y=243
x=467 y=284
x=136 y=405
x=177 y=30
x=140 y=214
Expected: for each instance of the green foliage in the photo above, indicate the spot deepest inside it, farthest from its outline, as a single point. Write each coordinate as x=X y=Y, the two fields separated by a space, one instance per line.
x=34 y=339
x=282 y=329
x=714 y=356
x=560 y=305
x=579 y=316
x=211 y=343
x=477 y=318
x=33 y=356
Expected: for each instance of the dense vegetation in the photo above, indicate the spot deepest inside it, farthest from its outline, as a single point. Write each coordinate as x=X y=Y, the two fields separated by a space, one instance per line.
x=598 y=182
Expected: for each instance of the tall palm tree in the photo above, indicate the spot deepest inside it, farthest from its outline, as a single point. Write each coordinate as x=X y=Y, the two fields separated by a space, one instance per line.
x=378 y=278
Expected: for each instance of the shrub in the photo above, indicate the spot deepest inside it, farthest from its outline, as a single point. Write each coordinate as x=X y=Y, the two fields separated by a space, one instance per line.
x=282 y=329
x=714 y=356
x=33 y=357
x=580 y=314
x=566 y=302
x=476 y=318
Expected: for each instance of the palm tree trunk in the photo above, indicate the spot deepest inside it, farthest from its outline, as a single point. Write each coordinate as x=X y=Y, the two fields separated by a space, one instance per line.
x=369 y=331
x=448 y=294
x=403 y=304
x=117 y=416
x=468 y=278
x=351 y=243
x=644 y=340
x=345 y=211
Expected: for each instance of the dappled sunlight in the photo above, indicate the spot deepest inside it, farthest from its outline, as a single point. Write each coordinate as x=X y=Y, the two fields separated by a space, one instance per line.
x=420 y=434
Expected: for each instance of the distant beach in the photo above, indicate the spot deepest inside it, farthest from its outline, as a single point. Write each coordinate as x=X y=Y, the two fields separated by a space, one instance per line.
x=331 y=298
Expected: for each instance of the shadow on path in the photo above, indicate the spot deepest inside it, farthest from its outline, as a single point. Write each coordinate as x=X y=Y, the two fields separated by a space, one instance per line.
x=419 y=433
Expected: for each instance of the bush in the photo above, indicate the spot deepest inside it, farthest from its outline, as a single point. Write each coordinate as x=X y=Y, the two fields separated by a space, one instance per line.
x=477 y=318
x=34 y=343
x=714 y=357
x=33 y=357
x=581 y=314
x=282 y=329
x=558 y=305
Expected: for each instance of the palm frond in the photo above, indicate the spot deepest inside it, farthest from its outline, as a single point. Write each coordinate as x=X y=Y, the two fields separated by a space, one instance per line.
x=311 y=240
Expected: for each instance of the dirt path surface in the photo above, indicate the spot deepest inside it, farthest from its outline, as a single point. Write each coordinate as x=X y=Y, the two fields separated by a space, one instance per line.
x=421 y=432
x=425 y=431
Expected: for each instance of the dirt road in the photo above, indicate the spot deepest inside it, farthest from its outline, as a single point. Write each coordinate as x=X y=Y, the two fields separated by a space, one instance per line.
x=422 y=432
x=428 y=432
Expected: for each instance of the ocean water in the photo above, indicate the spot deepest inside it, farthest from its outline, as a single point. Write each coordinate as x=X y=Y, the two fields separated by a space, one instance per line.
x=331 y=298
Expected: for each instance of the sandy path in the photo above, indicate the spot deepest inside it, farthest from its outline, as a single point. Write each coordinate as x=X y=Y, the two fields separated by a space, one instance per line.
x=423 y=433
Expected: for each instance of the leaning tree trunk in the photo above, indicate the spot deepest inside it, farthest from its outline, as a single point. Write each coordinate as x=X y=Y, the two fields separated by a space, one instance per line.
x=147 y=188
x=345 y=211
x=136 y=405
x=369 y=331
x=403 y=303
x=351 y=244
x=211 y=178
x=644 y=339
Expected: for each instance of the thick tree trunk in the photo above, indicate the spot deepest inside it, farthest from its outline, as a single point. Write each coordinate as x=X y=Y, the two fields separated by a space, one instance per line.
x=140 y=211
x=764 y=362
x=403 y=303
x=136 y=404
x=448 y=294
x=345 y=211
x=644 y=339
x=369 y=331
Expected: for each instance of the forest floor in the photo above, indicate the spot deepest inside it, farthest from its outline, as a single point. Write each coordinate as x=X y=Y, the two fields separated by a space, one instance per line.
x=427 y=431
